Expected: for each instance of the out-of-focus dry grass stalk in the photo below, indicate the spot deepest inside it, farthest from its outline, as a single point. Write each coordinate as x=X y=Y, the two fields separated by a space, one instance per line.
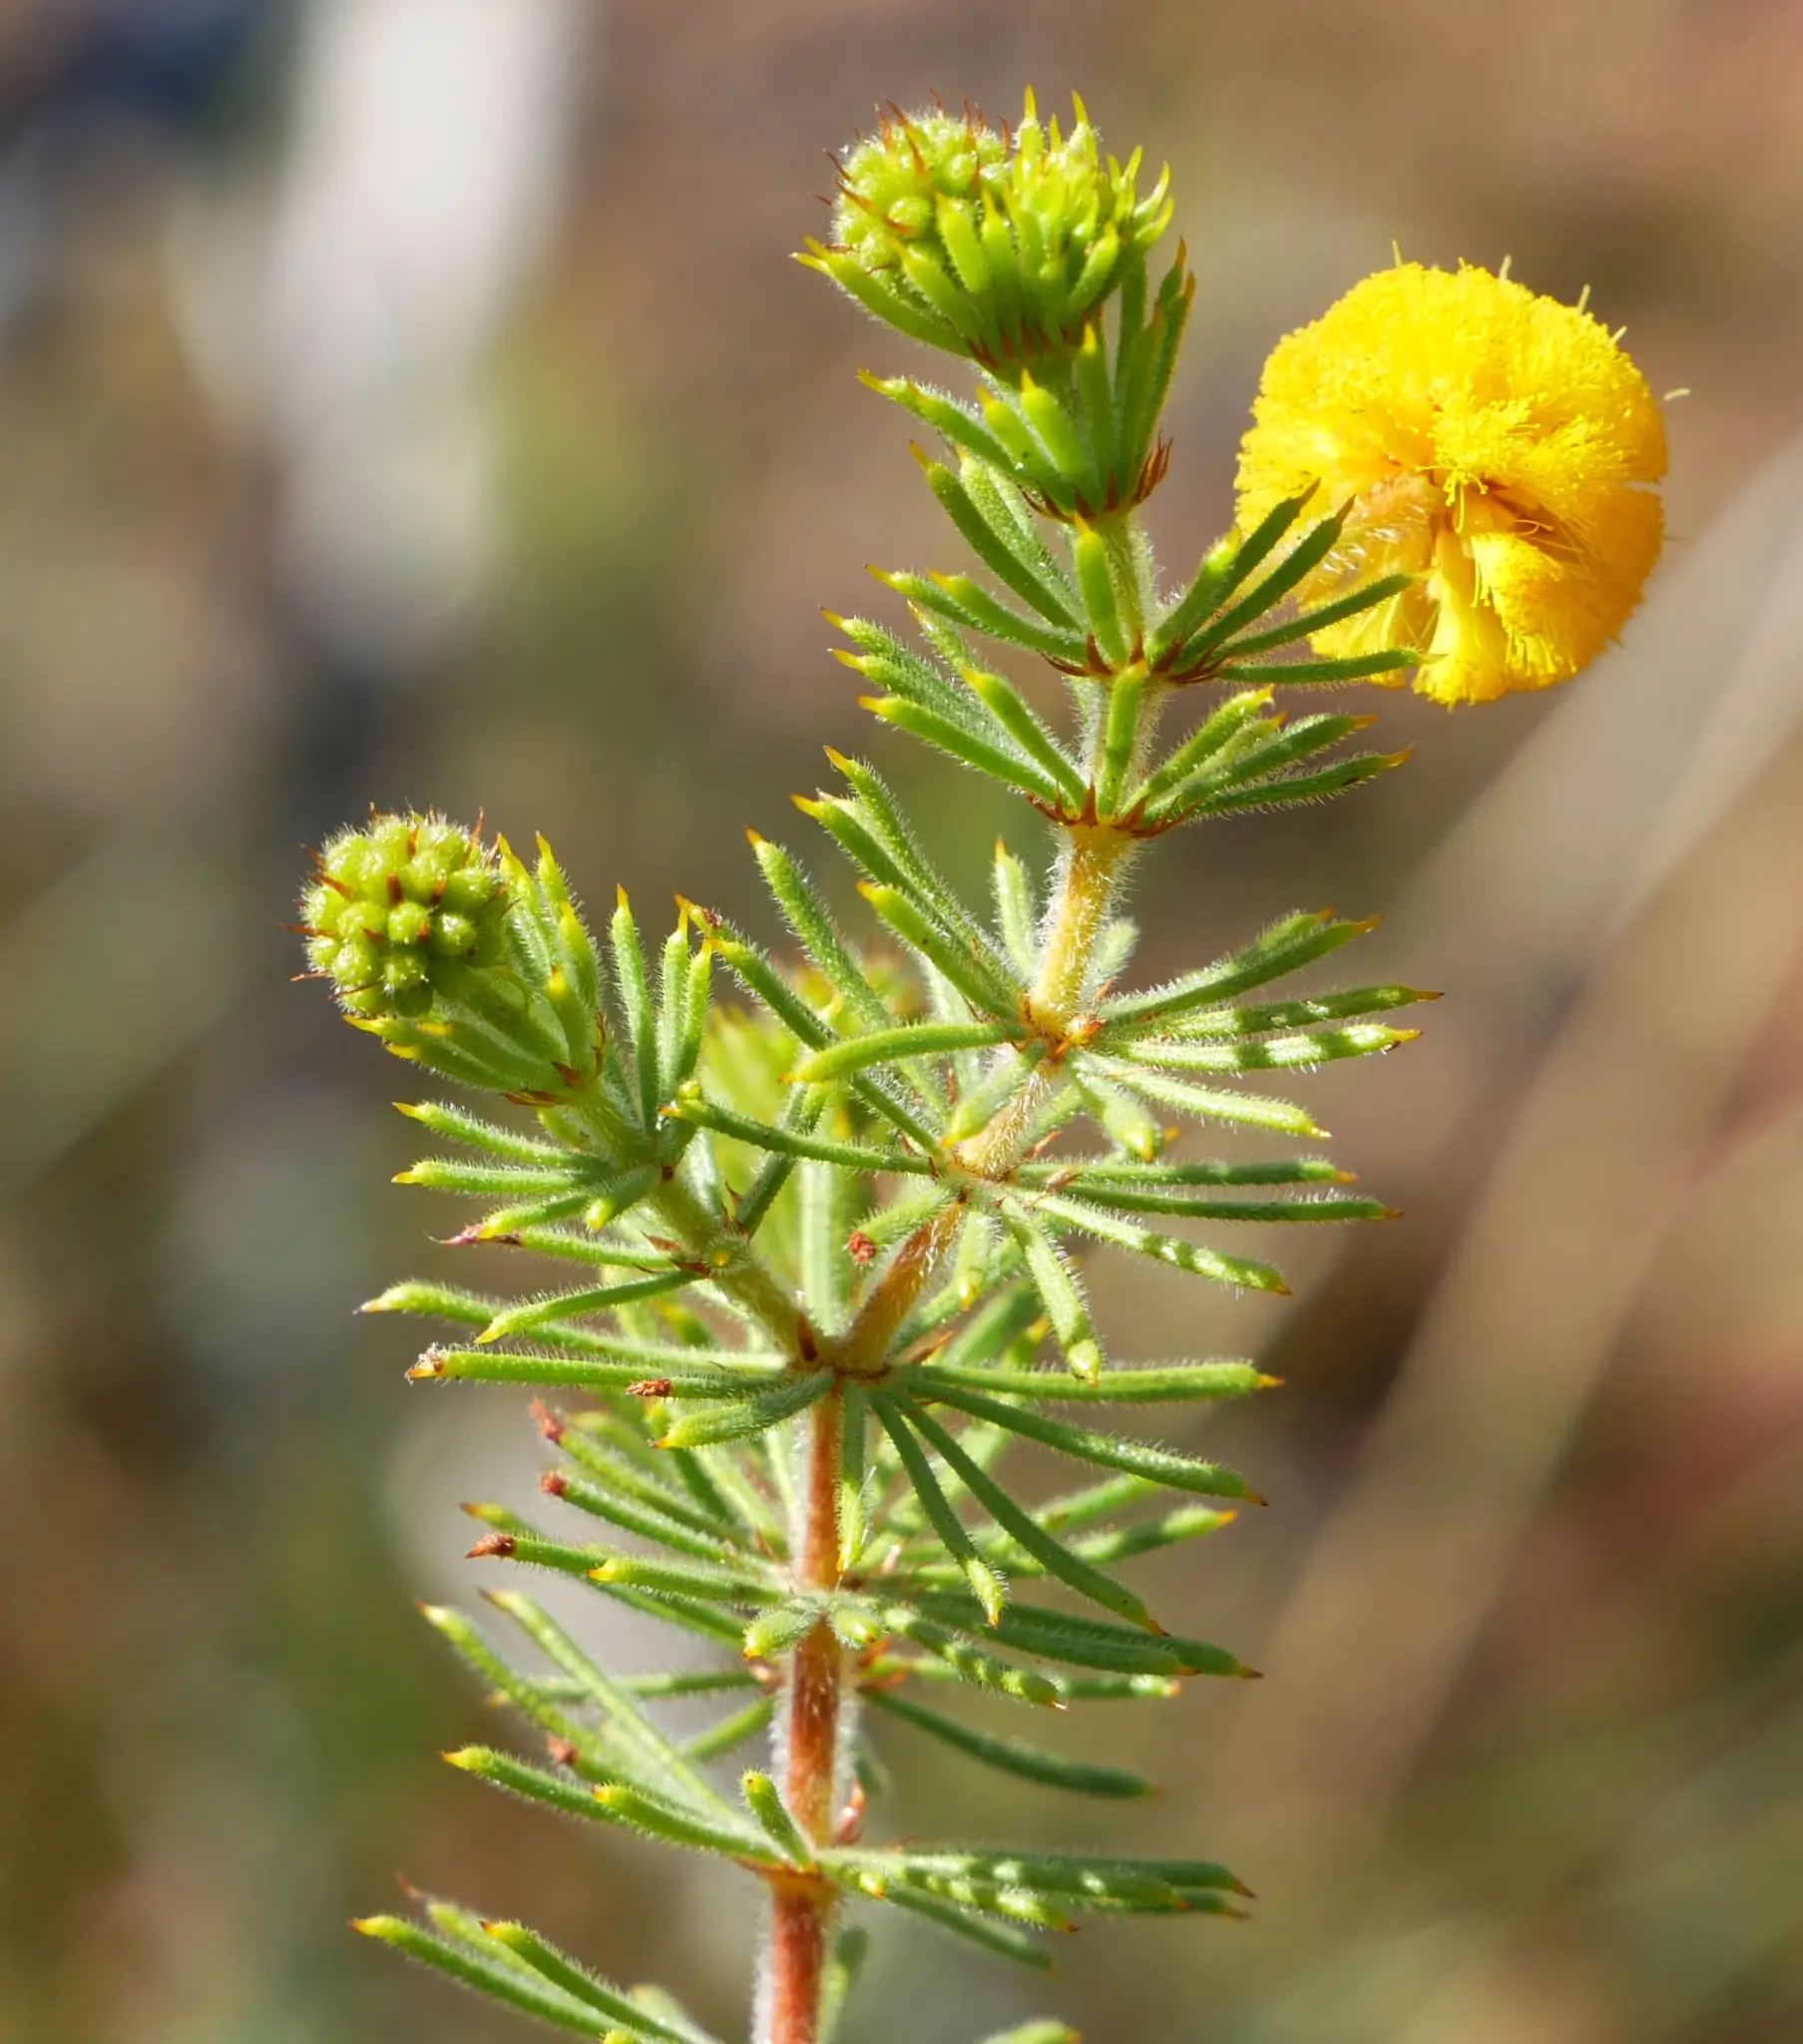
x=1598 y=1167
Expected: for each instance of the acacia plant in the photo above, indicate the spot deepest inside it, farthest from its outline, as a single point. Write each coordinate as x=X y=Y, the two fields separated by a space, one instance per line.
x=817 y=1256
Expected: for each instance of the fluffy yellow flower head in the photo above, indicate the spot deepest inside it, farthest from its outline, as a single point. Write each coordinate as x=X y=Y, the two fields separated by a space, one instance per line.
x=1493 y=442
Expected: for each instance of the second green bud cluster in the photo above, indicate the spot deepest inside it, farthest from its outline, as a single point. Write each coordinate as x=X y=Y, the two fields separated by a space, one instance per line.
x=457 y=954
x=996 y=245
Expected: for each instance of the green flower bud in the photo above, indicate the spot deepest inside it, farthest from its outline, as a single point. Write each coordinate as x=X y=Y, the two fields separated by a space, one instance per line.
x=457 y=955
x=398 y=908
x=996 y=245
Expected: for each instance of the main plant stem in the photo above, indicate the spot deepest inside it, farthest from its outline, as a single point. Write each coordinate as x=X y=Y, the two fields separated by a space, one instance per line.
x=801 y=1905
x=1094 y=866
x=812 y=1729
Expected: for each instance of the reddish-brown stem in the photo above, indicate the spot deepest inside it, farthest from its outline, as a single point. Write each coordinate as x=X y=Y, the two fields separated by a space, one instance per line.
x=863 y=1350
x=801 y=1907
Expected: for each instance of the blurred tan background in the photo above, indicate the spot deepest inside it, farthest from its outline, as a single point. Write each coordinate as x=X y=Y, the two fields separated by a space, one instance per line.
x=411 y=400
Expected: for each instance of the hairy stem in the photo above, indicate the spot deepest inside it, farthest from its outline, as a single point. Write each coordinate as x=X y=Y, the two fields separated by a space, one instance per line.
x=810 y=1735
x=1092 y=867
x=809 y=1742
x=738 y=1270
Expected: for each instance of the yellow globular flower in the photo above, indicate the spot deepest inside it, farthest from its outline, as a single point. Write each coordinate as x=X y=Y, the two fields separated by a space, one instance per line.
x=1494 y=443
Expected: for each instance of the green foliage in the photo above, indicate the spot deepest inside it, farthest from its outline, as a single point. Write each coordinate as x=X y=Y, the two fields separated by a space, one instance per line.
x=815 y=1262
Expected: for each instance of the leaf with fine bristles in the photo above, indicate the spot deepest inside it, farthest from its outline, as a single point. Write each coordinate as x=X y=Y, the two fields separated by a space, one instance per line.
x=808 y=917
x=1076 y=1880
x=523 y=1316
x=1232 y=730
x=497 y=1977
x=1276 y=747
x=987 y=989
x=1015 y=912
x=945 y=415
x=1285 y=947
x=764 y=1801
x=620 y=2010
x=1001 y=543
x=738 y=1419
x=641 y=1474
x=970 y=607
x=516 y=1181
x=461 y=1127
x=1051 y=1554
x=1305 y=1211
x=892 y=1046
x=991 y=753
x=659 y=1760
x=999 y=1938
x=527 y=1696
x=632 y=1515
x=690 y=1105
x=1093 y=1173
x=1331 y=674
x=1011 y=1756
x=971 y=1663
x=897 y=668
x=1226 y=567
x=1301 y=560
x=621 y=1805
x=1080 y=1640
x=1307 y=623
x=1290 y=787
x=1107 y=1451
x=1132 y=1384
x=1175 y=1250
x=985 y=1585
x=689 y=1372
x=1299 y=1050
x=1124 y=1119
x=1057 y=1288
x=735 y=1583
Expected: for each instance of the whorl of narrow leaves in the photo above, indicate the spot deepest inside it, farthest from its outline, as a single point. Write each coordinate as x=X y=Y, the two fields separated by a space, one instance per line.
x=821 y=1253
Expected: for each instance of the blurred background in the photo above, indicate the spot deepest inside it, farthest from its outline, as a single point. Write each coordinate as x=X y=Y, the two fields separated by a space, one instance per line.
x=411 y=400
